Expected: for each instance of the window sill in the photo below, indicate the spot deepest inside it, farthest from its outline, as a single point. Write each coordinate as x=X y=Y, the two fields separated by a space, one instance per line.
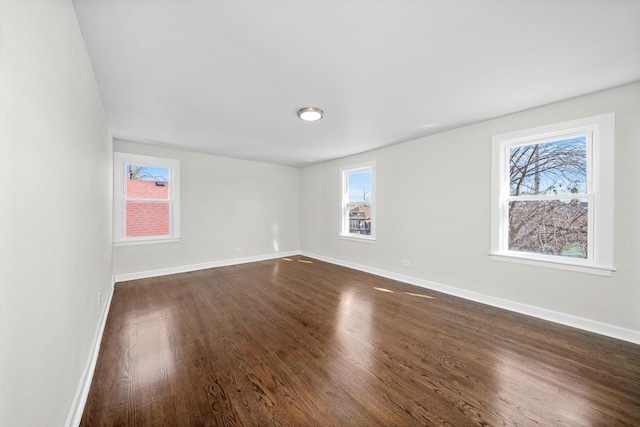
x=146 y=241
x=598 y=270
x=357 y=238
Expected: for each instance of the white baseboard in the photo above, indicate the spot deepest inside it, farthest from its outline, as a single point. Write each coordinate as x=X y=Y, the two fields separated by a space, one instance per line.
x=80 y=399
x=529 y=310
x=195 y=267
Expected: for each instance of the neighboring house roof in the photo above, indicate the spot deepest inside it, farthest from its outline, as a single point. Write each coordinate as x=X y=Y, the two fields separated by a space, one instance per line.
x=363 y=212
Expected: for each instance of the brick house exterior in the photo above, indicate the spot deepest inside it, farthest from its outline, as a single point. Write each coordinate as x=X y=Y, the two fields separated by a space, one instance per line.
x=150 y=216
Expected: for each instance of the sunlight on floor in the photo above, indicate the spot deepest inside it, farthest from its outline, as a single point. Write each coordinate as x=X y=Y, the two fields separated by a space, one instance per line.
x=356 y=342
x=419 y=295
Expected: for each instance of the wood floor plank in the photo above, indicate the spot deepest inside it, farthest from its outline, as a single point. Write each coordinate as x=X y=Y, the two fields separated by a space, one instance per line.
x=289 y=343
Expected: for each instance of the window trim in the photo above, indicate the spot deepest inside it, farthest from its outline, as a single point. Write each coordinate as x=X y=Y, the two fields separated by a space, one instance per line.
x=344 y=201
x=601 y=162
x=119 y=162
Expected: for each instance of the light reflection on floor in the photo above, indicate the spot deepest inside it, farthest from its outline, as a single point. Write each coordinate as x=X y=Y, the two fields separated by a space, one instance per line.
x=152 y=357
x=514 y=382
x=355 y=339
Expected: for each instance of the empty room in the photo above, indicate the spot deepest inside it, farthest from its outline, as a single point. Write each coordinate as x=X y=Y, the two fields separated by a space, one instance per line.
x=319 y=213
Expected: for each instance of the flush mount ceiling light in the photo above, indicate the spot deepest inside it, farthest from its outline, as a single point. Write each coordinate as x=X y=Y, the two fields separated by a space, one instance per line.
x=310 y=114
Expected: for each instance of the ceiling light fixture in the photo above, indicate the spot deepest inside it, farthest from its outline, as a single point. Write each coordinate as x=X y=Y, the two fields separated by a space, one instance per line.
x=310 y=114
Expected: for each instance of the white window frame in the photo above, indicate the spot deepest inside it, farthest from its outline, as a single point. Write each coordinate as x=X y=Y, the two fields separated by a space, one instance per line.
x=119 y=193
x=344 y=210
x=600 y=164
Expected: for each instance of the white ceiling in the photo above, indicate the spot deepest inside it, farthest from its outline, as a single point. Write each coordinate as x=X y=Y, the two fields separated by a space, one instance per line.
x=227 y=77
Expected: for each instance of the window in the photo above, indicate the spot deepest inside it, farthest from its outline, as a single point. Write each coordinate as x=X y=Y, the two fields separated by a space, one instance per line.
x=146 y=199
x=358 y=195
x=552 y=198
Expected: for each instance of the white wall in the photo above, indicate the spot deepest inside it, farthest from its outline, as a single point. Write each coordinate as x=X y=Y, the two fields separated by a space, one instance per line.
x=433 y=208
x=55 y=211
x=225 y=203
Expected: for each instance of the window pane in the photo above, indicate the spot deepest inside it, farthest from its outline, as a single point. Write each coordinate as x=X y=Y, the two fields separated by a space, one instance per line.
x=359 y=218
x=557 y=167
x=359 y=184
x=359 y=206
x=146 y=182
x=147 y=219
x=551 y=227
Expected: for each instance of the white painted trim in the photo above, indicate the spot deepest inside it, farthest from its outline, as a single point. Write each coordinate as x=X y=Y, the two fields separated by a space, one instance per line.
x=82 y=393
x=599 y=270
x=146 y=241
x=354 y=238
x=529 y=310
x=195 y=267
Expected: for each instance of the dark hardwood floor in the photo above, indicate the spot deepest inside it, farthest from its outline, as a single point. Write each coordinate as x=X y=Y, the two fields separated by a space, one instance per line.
x=293 y=343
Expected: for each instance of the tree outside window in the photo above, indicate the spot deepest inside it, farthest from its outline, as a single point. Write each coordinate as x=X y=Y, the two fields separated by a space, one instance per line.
x=548 y=199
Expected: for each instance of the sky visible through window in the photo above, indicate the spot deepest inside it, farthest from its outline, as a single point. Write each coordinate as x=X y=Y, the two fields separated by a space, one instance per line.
x=360 y=186
x=556 y=167
x=149 y=173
